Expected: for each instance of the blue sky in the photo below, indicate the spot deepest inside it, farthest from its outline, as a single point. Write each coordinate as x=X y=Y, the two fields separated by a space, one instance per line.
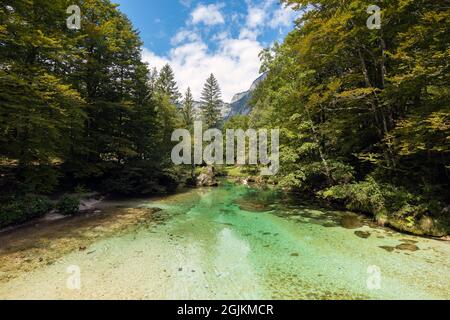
x=202 y=37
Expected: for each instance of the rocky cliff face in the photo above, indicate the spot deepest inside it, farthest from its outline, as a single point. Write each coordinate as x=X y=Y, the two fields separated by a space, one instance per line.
x=240 y=103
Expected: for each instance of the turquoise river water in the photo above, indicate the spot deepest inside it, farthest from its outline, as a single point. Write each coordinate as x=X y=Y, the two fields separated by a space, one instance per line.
x=230 y=242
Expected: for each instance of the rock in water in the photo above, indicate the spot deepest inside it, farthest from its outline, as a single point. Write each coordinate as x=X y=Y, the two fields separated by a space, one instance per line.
x=254 y=207
x=407 y=247
x=207 y=178
x=387 y=248
x=351 y=222
x=363 y=234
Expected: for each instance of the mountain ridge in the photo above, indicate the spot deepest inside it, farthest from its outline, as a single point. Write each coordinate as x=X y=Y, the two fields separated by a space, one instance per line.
x=240 y=102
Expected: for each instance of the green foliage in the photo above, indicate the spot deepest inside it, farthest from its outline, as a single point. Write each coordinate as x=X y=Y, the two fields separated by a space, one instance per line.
x=237 y=122
x=68 y=205
x=80 y=189
x=37 y=178
x=366 y=196
x=363 y=113
x=384 y=201
x=19 y=210
x=140 y=178
x=238 y=172
x=77 y=105
x=211 y=103
x=79 y=108
x=167 y=85
x=39 y=109
x=188 y=110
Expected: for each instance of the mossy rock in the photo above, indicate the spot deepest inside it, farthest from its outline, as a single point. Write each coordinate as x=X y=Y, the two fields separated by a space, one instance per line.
x=426 y=226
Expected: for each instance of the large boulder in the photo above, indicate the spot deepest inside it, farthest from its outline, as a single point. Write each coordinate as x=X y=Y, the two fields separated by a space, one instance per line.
x=426 y=226
x=207 y=178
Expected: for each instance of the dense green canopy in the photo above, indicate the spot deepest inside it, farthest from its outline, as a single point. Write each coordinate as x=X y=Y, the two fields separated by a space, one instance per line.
x=78 y=107
x=363 y=110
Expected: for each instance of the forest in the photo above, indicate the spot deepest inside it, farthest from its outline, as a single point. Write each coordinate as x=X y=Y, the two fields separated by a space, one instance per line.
x=364 y=114
x=79 y=111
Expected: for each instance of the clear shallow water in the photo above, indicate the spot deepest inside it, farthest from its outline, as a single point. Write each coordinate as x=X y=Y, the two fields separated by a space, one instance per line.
x=230 y=242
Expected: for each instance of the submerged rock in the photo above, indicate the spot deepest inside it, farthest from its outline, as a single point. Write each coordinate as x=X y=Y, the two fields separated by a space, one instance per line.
x=253 y=207
x=363 y=234
x=402 y=247
x=407 y=247
x=387 y=248
x=351 y=222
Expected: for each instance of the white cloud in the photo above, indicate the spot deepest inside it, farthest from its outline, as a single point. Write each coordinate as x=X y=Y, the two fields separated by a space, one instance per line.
x=283 y=17
x=256 y=17
x=185 y=35
x=246 y=33
x=208 y=14
x=220 y=36
x=235 y=64
x=234 y=59
x=153 y=60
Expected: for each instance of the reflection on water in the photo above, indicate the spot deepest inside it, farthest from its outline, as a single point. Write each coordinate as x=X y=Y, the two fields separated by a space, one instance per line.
x=231 y=242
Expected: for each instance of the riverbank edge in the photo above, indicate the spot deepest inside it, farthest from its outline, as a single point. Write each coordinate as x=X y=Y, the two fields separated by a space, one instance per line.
x=87 y=206
x=392 y=223
x=89 y=203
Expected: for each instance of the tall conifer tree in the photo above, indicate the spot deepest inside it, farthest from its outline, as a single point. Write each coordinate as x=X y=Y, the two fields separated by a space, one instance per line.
x=167 y=85
x=211 y=102
x=188 y=111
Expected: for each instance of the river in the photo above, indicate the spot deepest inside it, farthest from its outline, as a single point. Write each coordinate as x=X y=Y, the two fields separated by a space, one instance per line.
x=230 y=242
